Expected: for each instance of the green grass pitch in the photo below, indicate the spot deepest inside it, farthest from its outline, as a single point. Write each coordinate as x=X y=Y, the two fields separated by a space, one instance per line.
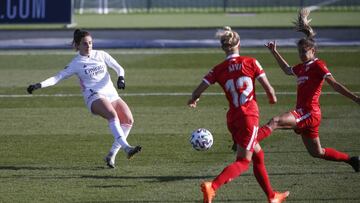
x=52 y=148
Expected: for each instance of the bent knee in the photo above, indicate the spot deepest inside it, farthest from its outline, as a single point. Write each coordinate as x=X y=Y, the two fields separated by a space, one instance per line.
x=127 y=120
x=110 y=115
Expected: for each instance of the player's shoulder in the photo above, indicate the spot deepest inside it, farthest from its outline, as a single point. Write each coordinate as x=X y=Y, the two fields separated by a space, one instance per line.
x=98 y=52
x=249 y=61
x=247 y=58
x=320 y=62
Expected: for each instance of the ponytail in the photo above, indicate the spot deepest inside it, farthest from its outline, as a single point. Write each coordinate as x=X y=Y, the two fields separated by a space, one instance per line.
x=229 y=39
x=303 y=25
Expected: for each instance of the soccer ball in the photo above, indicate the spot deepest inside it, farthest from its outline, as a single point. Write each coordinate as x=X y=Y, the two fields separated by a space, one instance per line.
x=201 y=139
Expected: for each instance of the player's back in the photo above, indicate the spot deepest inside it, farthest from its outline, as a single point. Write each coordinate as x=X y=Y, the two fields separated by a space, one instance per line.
x=236 y=75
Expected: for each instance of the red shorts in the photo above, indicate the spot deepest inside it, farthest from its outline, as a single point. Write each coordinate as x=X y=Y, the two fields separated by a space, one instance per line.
x=307 y=123
x=244 y=131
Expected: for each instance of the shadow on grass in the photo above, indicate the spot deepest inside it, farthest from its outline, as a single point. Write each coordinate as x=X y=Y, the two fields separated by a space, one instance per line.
x=246 y=200
x=339 y=199
x=48 y=168
x=112 y=186
x=164 y=178
x=150 y=178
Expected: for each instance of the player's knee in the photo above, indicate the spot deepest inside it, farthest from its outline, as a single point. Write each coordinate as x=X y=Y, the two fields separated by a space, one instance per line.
x=110 y=115
x=130 y=122
x=127 y=120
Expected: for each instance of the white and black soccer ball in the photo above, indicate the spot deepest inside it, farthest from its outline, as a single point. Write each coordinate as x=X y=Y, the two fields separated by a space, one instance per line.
x=201 y=139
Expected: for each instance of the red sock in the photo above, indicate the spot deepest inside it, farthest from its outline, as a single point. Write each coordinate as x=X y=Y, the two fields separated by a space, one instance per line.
x=333 y=155
x=261 y=173
x=263 y=133
x=230 y=172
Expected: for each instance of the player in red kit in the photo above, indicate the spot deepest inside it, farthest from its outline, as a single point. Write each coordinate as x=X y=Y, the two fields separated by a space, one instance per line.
x=236 y=75
x=306 y=118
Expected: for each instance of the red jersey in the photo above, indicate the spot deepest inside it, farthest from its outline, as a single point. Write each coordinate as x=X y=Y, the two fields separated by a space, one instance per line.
x=310 y=78
x=236 y=75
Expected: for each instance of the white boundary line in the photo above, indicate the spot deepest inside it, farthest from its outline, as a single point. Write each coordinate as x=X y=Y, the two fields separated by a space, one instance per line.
x=319 y=5
x=147 y=94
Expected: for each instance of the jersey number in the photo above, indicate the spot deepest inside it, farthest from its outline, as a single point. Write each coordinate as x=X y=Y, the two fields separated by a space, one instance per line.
x=235 y=87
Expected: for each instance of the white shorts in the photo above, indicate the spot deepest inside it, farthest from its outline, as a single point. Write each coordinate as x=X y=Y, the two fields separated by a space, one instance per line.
x=91 y=95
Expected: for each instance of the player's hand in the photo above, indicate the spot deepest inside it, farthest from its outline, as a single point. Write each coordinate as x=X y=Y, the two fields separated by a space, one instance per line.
x=33 y=87
x=192 y=103
x=121 y=82
x=273 y=100
x=271 y=46
x=357 y=100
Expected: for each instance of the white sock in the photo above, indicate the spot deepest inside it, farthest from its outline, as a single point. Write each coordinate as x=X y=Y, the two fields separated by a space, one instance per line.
x=126 y=129
x=118 y=134
x=116 y=146
x=114 y=149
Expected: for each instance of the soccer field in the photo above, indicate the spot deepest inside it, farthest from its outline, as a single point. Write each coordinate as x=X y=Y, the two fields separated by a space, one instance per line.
x=52 y=148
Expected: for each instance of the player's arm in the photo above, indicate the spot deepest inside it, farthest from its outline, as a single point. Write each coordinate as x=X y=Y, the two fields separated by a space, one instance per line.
x=338 y=87
x=270 y=92
x=50 y=81
x=279 y=59
x=112 y=63
x=197 y=93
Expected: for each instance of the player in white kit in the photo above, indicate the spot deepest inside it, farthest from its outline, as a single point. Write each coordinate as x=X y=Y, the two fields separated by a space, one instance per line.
x=100 y=95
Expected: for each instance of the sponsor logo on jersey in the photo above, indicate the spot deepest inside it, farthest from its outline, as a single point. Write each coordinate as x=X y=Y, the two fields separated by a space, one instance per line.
x=94 y=71
x=302 y=79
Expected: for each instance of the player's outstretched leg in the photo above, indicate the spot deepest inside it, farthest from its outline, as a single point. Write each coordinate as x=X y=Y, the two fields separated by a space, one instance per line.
x=355 y=163
x=279 y=197
x=208 y=191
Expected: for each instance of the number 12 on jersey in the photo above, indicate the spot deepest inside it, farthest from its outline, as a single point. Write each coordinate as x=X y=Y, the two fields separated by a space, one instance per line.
x=242 y=86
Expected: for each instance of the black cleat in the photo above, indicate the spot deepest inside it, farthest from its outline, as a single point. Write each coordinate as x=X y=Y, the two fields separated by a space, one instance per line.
x=134 y=150
x=234 y=147
x=355 y=163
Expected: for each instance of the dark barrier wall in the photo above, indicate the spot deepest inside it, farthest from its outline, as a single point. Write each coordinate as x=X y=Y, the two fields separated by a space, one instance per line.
x=36 y=11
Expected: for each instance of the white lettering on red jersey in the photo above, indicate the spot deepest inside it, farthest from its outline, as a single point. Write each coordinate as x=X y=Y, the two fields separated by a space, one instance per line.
x=310 y=78
x=236 y=75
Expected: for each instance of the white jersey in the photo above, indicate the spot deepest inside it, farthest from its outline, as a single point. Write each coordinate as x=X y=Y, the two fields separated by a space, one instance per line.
x=91 y=70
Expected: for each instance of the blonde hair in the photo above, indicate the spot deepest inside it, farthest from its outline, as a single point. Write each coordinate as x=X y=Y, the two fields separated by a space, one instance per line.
x=229 y=39
x=303 y=25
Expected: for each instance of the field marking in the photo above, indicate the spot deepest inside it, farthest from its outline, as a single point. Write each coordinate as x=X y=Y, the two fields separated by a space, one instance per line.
x=148 y=94
x=321 y=4
x=167 y=51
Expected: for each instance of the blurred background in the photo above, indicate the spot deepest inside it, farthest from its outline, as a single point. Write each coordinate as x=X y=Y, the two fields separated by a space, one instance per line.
x=172 y=23
x=52 y=150
x=208 y=6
